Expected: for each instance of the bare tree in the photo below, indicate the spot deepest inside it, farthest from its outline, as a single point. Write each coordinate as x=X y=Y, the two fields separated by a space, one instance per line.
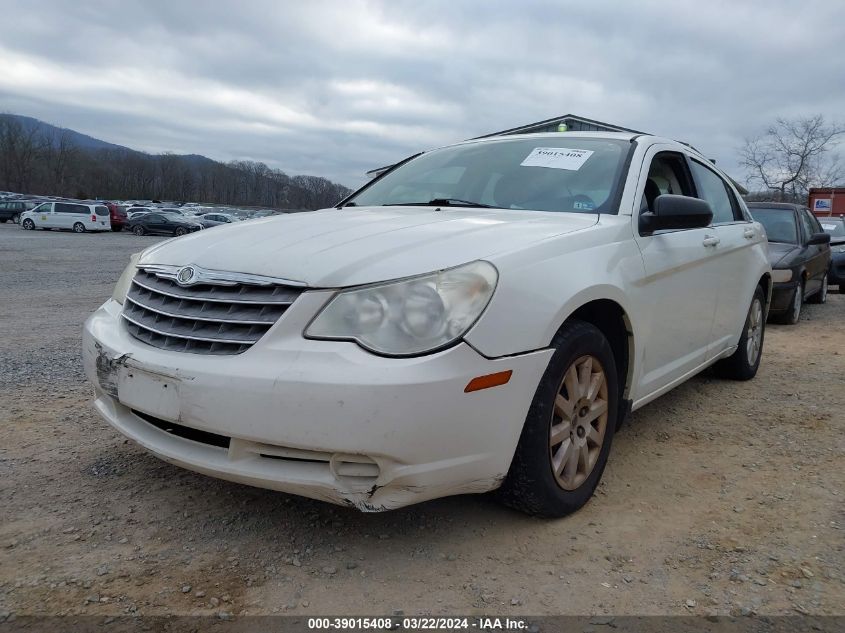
x=60 y=155
x=20 y=148
x=793 y=155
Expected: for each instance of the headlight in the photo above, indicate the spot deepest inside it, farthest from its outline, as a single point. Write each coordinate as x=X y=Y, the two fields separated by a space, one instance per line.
x=411 y=316
x=122 y=286
x=781 y=275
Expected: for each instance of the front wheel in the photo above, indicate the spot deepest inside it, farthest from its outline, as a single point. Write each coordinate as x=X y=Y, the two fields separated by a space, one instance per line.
x=566 y=439
x=821 y=295
x=793 y=314
x=28 y=224
x=744 y=362
x=78 y=227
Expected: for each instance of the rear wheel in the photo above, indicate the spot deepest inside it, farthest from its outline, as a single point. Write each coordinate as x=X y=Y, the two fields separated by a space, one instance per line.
x=821 y=295
x=117 y=228
x=16 y=218
x=28 y=224
x=180 y=231
x=566 y=439
x=139 y=230
x=78 y=227
x=744 y=362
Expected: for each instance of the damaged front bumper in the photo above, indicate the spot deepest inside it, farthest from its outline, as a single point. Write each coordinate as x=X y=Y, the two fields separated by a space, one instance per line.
x=321 y=419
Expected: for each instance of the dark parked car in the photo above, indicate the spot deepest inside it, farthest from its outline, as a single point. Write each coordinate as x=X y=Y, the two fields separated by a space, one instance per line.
x=799 y=251
x=835 y=227
x=156 y=223
x=12 y=209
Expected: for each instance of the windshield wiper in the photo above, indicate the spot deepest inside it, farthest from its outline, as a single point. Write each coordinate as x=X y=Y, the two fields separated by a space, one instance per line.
x=442 y=202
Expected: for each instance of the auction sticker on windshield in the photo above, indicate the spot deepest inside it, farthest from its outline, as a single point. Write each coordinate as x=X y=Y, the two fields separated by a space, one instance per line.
x=557 y=158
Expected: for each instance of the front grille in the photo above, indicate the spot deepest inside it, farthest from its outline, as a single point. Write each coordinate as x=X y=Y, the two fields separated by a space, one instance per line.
x=212 y=317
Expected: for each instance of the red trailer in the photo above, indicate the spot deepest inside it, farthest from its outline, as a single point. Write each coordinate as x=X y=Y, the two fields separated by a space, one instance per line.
x=827 y=201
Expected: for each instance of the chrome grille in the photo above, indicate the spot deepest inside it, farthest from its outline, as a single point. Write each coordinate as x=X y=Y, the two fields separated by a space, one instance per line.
x=221 y=313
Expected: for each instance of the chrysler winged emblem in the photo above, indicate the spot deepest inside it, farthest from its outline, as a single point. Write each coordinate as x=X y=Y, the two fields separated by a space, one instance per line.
x=185 y=275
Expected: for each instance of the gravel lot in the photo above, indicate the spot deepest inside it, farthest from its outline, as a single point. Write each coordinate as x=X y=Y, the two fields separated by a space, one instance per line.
x=719 y=497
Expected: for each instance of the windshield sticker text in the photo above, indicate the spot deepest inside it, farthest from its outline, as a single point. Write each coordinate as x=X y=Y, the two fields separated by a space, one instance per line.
x=557 y=158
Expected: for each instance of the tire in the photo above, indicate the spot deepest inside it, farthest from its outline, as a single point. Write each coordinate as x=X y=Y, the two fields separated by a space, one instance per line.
x=821 y=295
x=532 y=484
x=117 y=229
x=139 y=230
x=3 y=220
x=744 y=362
x=28 y=224
x=793 y=314
x=180 y=231
x=78 y=227
x=16 y=218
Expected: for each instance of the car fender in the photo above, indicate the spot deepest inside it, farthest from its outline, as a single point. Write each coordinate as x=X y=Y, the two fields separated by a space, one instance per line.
x=539 y=288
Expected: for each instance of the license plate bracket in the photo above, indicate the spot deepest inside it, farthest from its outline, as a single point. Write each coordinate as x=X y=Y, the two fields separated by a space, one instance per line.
x=150 y=393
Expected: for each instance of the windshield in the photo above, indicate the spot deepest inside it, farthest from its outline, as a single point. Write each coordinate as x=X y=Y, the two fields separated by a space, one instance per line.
x=560 y=173
x=835 y=227
x=779 y=224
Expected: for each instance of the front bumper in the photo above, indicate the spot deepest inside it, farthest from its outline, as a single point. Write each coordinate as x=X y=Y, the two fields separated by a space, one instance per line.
x=782 y=294
x=322 y=419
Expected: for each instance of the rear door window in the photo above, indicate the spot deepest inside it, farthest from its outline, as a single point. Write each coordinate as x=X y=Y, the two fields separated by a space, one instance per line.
x=808 y=222
x=714 y=190
x=64 y=207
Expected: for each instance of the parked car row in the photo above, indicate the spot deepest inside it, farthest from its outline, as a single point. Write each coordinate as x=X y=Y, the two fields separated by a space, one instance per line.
x=800 y=255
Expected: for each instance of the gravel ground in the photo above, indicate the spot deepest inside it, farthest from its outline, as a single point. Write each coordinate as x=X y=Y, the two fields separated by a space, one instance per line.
x=720 y=497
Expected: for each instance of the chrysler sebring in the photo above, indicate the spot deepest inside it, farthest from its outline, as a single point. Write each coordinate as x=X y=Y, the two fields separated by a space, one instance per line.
x=480 y=317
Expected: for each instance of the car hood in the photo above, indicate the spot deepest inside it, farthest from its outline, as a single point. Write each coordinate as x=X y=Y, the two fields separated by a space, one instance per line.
x=780 y=253
x=351 y=246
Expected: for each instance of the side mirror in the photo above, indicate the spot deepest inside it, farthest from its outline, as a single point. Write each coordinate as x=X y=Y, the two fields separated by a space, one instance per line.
x=676 y=212
x=819 y=238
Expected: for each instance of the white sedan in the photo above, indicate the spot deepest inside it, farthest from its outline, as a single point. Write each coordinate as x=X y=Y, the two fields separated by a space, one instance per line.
x=481 y=317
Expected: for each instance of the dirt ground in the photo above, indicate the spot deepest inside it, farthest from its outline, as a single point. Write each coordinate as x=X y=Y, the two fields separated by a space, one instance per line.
x=719 y=497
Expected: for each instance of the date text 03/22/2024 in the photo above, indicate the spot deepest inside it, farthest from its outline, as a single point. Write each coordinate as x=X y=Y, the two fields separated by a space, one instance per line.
x=420 y=623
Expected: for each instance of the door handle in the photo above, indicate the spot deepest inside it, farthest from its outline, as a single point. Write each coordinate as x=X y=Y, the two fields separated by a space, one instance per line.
x=749 y=234
x=711 y=241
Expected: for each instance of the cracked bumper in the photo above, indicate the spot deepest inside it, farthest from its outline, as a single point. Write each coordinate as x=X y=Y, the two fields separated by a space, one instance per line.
x=320 y=419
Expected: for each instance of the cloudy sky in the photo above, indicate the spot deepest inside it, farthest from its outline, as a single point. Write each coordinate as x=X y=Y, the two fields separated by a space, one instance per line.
x=336 y=88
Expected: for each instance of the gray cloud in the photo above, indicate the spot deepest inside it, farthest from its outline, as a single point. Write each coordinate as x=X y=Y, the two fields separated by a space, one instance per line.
x=335 y=88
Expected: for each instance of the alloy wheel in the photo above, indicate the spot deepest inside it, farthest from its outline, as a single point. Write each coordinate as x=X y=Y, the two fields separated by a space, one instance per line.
x=754 y=334
x=579 y=422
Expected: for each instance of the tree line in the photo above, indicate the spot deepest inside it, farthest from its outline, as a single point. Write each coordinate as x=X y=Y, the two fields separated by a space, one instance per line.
x=33 y=162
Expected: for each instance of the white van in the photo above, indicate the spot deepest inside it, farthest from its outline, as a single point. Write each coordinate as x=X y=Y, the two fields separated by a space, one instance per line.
x=73 y=216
